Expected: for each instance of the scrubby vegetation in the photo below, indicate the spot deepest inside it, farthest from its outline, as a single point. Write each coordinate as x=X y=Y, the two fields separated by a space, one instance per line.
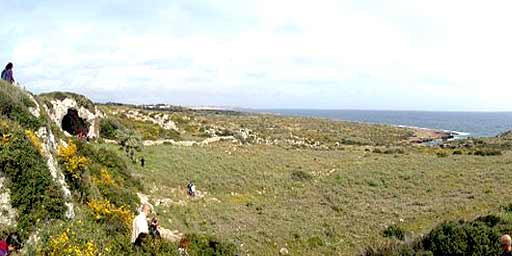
x=148 y=130
x=109 y=128
x=394 y=231
x=478 y=237
x=14 y=104
x=389 y=151
x=487 y=152
x=303 y=185
x=81 y=100
x=33 y=192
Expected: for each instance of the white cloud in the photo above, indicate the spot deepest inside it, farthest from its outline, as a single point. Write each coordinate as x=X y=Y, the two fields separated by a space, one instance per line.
x=321 y=54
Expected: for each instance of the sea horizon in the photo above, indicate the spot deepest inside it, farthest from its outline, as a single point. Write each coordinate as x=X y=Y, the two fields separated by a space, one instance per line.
x=464 y=123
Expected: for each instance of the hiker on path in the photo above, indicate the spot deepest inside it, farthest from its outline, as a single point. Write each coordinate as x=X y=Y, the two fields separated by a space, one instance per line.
x=140 y=228
x=7 y=73
x=191 y=189
x=506 y=245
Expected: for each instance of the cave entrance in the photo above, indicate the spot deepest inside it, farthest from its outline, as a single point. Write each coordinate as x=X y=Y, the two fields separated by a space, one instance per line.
x=74 y=124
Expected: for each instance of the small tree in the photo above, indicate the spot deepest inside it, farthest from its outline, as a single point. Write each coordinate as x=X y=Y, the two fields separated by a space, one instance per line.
x=131 y=143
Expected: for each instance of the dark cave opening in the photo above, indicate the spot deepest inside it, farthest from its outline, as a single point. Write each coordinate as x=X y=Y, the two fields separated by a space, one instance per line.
x=74 y=124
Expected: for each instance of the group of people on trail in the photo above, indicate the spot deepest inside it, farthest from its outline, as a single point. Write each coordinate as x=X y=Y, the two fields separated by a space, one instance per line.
x=7 y=73
x=10 y=244
x=140 y=228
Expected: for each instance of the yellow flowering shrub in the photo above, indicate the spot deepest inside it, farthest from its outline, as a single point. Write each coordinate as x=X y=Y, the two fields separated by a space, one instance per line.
x=105 y=177
x=68 y=244
x=104 y=210
x=34 y=140
x=73 y=163
x=5 y=138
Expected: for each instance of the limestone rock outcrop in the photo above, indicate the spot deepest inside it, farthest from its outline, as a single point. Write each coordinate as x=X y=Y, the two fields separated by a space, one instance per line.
x=60 y=108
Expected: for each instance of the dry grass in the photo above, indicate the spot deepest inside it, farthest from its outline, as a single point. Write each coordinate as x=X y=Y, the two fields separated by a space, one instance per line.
x=352 y=195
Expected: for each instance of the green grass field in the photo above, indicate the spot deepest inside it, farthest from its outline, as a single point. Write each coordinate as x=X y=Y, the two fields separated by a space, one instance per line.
x=317 y=202
x=313 y=186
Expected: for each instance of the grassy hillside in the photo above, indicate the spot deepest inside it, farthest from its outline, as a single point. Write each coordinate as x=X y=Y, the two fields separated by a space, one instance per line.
x=195 y=125
x=303 y=185
x=318 y=202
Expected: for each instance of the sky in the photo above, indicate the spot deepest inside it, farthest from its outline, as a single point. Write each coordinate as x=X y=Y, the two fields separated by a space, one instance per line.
x=325 y=54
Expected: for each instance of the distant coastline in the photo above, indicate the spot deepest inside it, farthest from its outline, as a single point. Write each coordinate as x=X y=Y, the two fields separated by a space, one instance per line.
x=457 y=124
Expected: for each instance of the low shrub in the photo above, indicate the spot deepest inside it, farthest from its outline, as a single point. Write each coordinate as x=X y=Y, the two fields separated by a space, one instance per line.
x=147 y=129
x=395 y=232
x=118 y=219
x=457 y=152
x=108 y=128
x=487 y=152
x=111 y=176
x=508 y=208
x=356 y=141
x=477 y=237
x=314 y=242
x=75 y=167
x=389 y=151
x=300 y=175
x=441 y=154
x=14 y=104
x=67 y=244
x=203 y=245
x=464 y=238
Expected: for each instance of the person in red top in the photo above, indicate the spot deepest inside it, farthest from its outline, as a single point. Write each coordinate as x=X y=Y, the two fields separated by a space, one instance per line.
x=4 y=248
x=10 y=245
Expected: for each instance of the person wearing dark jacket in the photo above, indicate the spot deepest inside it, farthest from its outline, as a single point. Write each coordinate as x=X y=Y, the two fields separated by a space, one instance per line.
x=7 y=73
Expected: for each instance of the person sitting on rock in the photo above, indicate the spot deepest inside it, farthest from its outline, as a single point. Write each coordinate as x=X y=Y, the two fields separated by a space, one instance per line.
x=154 y=228
x=140 y=228
x=191 y=189
x=506 y=245
x=7 y=73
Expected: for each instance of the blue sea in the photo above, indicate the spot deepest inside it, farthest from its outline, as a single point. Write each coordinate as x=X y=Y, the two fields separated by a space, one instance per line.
x=476 y=124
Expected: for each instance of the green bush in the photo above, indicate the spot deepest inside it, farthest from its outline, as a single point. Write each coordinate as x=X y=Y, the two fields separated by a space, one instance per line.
x=203 y=245
x=14 y=104
x=123 y=191
x=478 y=237
x=389 y=151
x=394 y=231
x=34 y=193
x=464 y=238
x=147 y=129
x=457 y=152
x=487 y=152
x=108 y=128
x=442 y=154
x=314 y=242
x=300 y=175
x=392 y=249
